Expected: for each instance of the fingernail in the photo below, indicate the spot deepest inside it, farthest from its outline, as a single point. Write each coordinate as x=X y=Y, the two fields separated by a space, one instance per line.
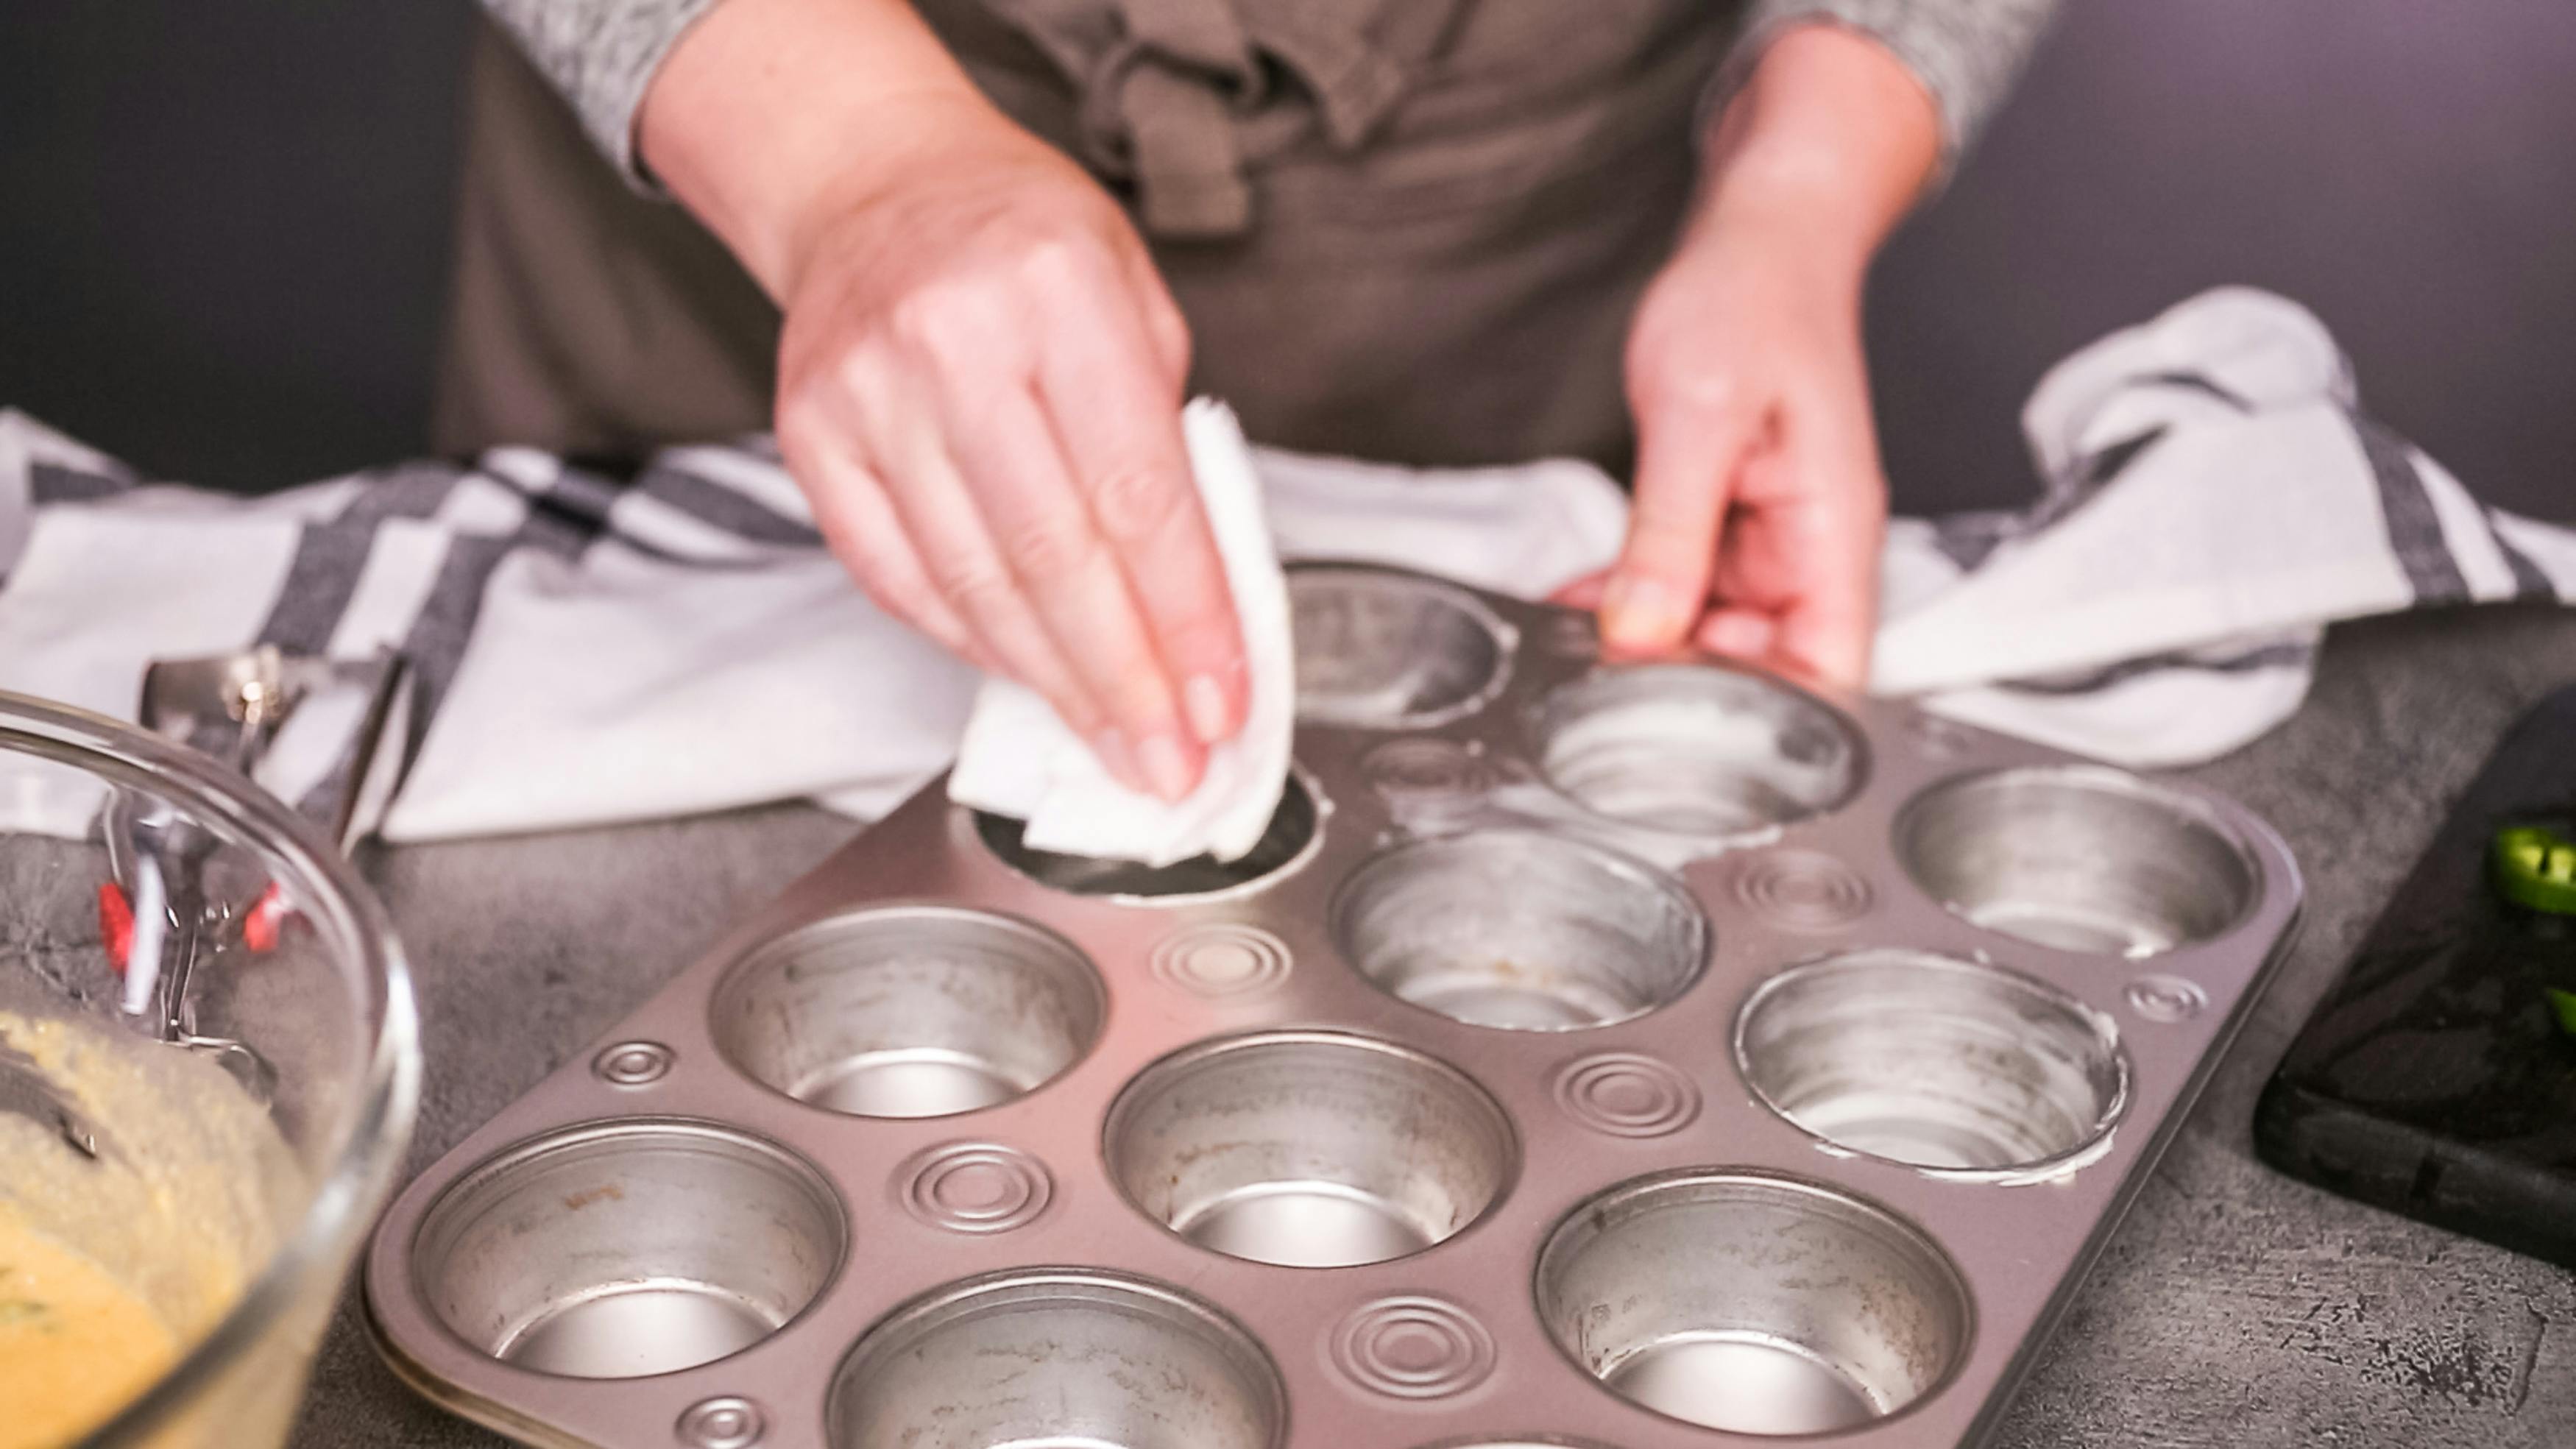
x=1117 y=759
x=1167 y=769
x=1633 y=612
x=1204 y=700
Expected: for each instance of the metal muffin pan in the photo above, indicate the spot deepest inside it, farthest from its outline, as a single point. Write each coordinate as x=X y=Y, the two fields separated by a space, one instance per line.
x=1622 y=1057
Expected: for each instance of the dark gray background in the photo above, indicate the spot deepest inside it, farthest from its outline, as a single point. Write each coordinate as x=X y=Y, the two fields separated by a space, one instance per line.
x=223 y=227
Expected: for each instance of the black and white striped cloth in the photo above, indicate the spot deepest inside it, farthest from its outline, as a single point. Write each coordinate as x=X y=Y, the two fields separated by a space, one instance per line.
x=595 y=643
x=2212 y=497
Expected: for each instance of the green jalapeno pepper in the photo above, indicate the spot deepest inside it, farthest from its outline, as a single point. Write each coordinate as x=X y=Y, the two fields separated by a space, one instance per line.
x=2535 y=867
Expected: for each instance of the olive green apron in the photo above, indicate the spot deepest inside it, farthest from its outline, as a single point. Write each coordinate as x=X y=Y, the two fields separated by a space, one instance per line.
x=1402 y=229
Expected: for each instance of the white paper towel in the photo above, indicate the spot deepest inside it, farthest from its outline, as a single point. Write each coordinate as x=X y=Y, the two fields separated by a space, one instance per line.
x=1019 y=759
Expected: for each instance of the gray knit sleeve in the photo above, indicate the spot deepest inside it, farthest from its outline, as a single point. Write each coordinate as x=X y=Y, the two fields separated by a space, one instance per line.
x=601 y=54
x=1967 y=52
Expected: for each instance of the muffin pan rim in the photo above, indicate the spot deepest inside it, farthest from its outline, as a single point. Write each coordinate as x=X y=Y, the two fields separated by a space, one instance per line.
x=1636 y=872
x=1177 y=1062
x=2105 y=1029
x=1837 y=1199
x=925 y=853
x=1504 y=635
x=1537 y=728
x=1082 y=970
x=2242 y=836
x=602 y=1134
x=957 y=1301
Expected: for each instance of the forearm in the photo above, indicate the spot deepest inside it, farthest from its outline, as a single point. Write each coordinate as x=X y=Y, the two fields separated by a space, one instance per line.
x=1830 y=140
x=769 y=113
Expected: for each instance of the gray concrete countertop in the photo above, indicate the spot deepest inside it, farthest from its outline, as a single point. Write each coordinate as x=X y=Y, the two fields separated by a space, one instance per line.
x=2235 y=1307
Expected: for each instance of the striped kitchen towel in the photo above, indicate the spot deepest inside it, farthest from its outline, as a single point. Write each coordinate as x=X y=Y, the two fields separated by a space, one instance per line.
x=2212 y=497
x=594 y=643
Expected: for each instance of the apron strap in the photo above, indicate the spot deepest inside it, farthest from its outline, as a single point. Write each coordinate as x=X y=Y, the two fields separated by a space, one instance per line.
x=1187 y=162
x=1169 y=86
x=1168 y=89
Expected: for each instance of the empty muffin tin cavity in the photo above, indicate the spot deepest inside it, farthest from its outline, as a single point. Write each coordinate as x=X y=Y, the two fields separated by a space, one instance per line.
x=1934 y=1062
x=1384 y=650
x=1286 y=841
x=909 y=1011
x=2080 y=858
x=1521 y=929
x=1754 y=1304
x=1696 y=749
x=1309 y=1149
x=1048 y=1357
x=622 y=1249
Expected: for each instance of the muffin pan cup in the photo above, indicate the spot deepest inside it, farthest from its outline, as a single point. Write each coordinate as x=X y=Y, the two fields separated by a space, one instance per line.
x=1464 y=1341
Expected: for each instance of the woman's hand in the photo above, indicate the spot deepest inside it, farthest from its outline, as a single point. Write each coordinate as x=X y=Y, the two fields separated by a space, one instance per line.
x=979 y=383
x=1759 y=501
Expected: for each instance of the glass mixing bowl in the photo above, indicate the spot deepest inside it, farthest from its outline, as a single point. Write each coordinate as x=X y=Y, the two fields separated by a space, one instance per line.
x=208 y=1068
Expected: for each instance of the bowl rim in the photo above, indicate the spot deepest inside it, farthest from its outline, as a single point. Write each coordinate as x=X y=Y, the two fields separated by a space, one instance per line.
x=376 y=1131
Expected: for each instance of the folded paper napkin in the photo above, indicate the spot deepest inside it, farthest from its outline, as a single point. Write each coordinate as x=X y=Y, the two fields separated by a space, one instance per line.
x=593 y=647
x=1019 y=759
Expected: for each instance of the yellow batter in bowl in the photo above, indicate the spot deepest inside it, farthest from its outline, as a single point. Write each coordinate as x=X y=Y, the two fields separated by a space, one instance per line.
x=110 y=1266
x=74 y=1344
x=248 y=1093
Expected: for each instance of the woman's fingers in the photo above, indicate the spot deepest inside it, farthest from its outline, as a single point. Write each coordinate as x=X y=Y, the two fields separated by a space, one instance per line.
x=959 y=553
x=1165 y=328
x=1748 y=634
x=1827 y=535
x=1692 y=437
x=1116 y=412
x=1073 y=579
x=991 y=375
x=859 y=523
x=1774 y=534
x=1826 y=627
